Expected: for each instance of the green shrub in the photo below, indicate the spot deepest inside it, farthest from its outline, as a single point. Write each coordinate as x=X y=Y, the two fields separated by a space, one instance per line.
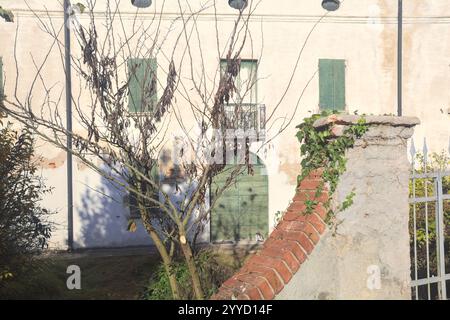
x=24 y=228
x=213 y=272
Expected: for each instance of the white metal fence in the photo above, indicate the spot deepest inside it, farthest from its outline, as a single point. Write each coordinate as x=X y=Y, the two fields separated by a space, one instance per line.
x=430 y=223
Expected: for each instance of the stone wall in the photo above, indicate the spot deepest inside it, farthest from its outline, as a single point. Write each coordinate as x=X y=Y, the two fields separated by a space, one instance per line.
x=366 y=254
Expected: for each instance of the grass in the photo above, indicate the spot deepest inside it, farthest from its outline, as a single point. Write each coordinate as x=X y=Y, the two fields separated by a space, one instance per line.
x=116 y=277
x=111 y=277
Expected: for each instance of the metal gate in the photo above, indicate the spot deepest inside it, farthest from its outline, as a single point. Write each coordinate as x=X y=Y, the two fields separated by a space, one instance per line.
x=430 y=223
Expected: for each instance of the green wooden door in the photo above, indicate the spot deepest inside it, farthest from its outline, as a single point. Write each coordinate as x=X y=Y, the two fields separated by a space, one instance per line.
x=242 y=210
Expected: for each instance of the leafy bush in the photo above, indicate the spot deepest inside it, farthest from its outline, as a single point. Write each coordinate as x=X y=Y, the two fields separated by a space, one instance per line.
x=24 y=229
x=213 y=273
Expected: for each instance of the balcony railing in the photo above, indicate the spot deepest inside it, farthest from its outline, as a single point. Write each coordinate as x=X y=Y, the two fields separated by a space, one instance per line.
x=247 y=116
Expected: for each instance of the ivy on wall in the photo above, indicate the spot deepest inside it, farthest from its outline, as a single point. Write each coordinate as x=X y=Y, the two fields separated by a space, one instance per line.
x=321 y=149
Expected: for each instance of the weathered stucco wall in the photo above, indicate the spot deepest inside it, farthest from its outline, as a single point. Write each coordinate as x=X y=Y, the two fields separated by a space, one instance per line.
x=362 y=32
x=366 y=256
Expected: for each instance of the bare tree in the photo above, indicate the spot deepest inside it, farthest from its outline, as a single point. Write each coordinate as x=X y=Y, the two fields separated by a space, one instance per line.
x=123 y=127
x=7 y=15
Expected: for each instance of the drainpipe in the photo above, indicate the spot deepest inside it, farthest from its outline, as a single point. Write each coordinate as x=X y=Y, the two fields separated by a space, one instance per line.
x=68 y=124
x=400 y=58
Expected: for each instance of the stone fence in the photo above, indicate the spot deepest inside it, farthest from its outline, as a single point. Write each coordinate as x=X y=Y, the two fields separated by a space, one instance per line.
x=365 y=255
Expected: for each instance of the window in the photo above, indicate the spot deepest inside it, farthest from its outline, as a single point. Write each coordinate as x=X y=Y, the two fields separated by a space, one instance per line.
x=332 y=84
x=134 y=205
x=242 y=111
x=142 y=85
x=132 y=200
x=246 y=81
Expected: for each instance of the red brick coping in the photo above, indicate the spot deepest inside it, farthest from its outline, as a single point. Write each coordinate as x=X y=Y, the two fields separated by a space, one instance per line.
x=266 y=273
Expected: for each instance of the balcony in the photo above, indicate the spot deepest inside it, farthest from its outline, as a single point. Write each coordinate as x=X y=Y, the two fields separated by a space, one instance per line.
x=247 y=116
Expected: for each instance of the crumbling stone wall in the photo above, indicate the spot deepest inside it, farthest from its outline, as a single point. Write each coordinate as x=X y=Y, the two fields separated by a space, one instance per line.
x=365 y=252
x=367 y=256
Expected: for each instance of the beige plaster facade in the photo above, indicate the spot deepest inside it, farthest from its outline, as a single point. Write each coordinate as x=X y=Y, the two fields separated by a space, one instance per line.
x=362 y=32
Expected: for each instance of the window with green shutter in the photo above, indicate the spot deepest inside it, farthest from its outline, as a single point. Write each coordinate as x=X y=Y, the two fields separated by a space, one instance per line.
x=332 y=84
x=246 y=81
x=142 y=84
x=242 y=109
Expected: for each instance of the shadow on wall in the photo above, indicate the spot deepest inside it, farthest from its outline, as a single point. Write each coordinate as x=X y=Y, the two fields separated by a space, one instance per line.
x=101 y=212
x=239 y=222
x=101 y=215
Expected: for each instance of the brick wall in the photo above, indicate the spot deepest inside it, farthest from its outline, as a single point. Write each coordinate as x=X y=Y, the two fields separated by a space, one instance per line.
x=266 y=273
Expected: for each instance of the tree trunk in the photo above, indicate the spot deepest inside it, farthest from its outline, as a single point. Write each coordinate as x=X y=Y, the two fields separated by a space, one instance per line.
x=196 y=283
x=166 y=258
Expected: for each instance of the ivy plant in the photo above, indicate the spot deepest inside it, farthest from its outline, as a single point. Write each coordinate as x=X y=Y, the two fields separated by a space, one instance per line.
x=320 y=149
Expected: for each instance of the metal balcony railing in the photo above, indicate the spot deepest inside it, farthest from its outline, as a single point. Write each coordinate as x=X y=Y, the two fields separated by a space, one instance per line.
x=246 y=116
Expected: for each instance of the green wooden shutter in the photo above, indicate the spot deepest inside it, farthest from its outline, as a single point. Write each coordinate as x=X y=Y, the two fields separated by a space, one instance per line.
x=332 y=84
x=247 y=77
x=142 y=85
x=247 y=80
